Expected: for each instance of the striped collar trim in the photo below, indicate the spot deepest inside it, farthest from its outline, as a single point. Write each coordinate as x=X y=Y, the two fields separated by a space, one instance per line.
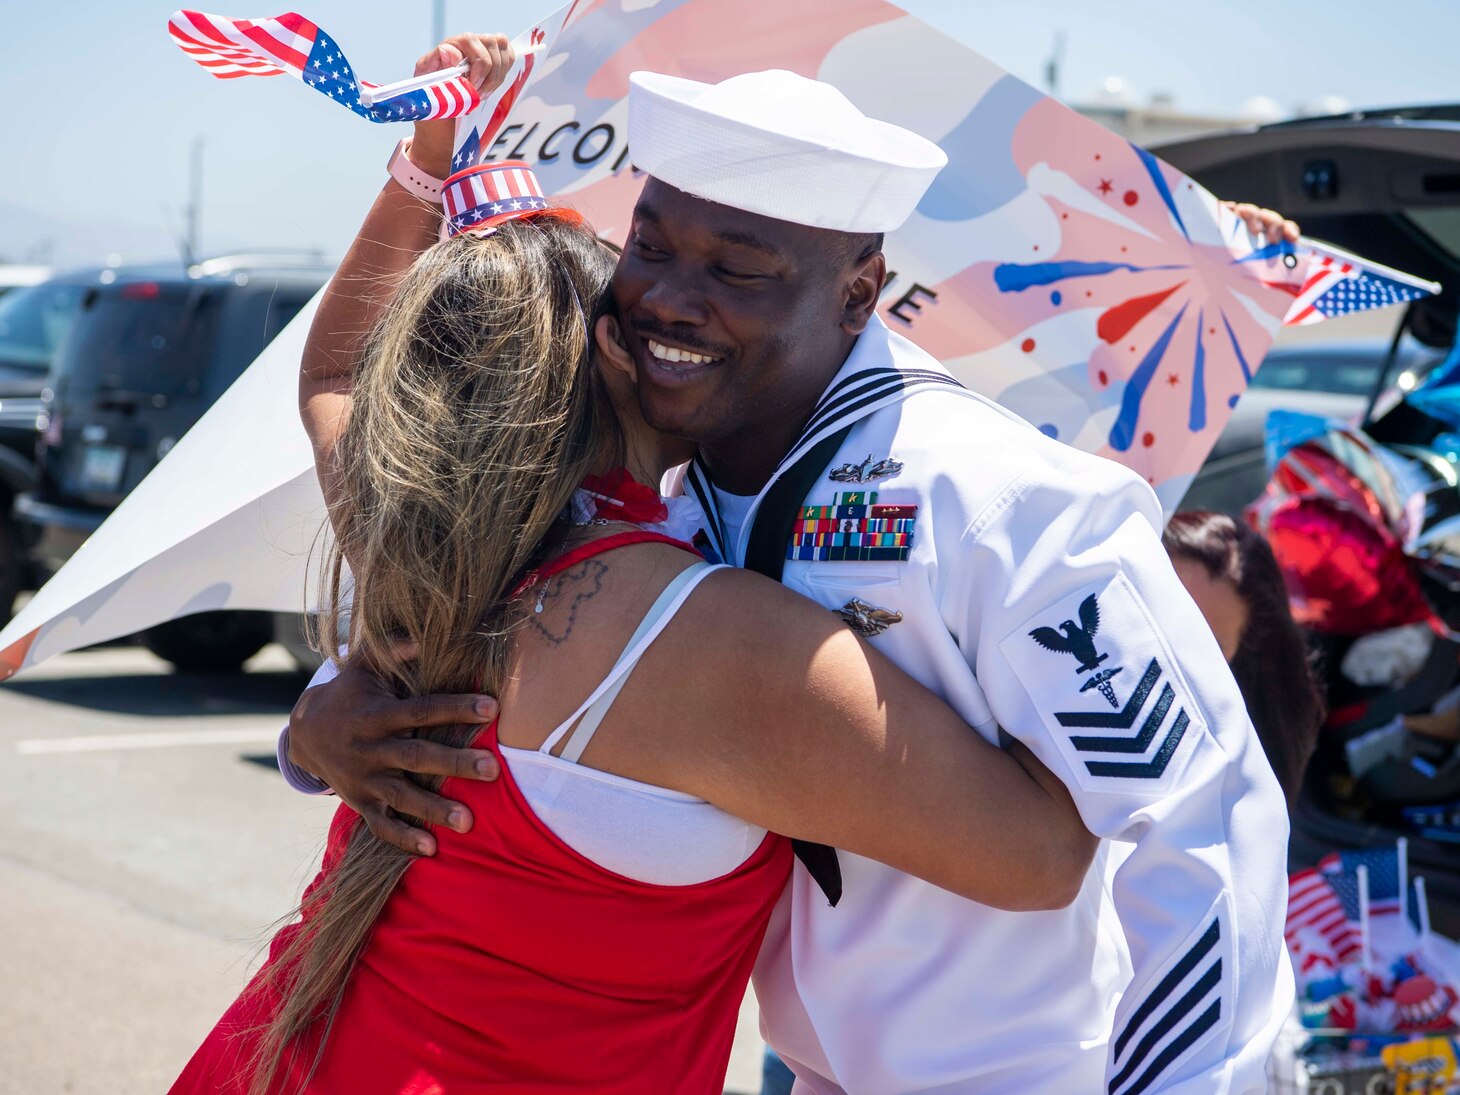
x=855 y=392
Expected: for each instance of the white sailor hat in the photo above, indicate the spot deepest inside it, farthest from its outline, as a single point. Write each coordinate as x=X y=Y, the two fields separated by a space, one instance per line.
x=780 y=145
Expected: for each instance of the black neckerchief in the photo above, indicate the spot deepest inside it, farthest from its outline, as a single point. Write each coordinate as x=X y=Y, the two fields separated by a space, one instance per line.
x=845 y=402
x=765 y=553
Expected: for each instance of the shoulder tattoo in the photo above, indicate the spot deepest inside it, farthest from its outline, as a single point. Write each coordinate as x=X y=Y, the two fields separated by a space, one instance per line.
x=572 y=586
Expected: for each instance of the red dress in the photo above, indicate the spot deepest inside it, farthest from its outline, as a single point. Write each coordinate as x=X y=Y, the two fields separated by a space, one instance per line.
x=510 y=963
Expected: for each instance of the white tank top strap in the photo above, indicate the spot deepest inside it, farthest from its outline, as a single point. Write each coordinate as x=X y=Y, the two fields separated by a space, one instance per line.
x=580 y=727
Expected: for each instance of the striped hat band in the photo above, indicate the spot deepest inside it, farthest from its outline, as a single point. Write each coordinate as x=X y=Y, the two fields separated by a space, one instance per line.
x=485 y=196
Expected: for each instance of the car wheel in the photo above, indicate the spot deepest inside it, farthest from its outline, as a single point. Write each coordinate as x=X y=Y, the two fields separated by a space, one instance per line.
x=210 y=642
x=12 y=564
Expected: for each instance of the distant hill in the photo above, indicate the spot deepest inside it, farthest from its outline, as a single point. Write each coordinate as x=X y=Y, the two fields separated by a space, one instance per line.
x=28 y=237
x=31 y=237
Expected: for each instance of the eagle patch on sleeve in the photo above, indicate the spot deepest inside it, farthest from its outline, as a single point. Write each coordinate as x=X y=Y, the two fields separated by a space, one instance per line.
x=1107 y=688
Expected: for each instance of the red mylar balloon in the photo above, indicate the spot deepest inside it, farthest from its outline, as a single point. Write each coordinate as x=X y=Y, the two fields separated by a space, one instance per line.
x=1345 y=575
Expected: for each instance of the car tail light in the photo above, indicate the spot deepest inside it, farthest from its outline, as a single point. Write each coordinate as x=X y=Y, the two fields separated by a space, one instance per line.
x=141 y=290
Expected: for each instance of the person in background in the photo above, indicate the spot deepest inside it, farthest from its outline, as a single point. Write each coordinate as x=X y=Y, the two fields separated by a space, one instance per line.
x=1440 y=725
x=1233 y=577
x=776 y=1077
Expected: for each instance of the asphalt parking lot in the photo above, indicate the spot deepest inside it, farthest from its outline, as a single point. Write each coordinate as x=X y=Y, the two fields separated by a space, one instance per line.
x=148 y=846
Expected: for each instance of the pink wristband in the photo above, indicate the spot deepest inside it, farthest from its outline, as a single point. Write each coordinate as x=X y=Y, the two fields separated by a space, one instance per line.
x=412 y=178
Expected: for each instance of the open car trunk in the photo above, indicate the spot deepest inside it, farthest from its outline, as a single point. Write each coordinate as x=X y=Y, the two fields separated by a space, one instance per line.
x=1385 y=185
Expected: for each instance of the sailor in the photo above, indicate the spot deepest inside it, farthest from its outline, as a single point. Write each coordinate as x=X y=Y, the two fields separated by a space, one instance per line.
x=1019 y=578
x=1028 y=587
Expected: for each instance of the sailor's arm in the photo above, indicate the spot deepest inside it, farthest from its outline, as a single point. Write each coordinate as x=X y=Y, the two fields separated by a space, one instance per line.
x=1090 y=652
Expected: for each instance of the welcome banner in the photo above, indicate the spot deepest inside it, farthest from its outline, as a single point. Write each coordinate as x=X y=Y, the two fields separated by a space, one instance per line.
x=1053 y=266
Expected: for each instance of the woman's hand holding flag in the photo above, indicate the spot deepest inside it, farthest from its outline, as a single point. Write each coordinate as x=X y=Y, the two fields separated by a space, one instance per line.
x=489 y=58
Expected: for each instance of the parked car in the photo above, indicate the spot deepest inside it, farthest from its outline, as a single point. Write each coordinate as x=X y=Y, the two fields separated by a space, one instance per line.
x=16 y=276
x=149 y=353
x=1385 y=185
x=33 y=320
x=1329 y=379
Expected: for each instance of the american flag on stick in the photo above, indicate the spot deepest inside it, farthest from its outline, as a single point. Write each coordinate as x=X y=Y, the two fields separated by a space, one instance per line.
x=1313 y=903
x=1388 y=873
x=1339 y=283
x=290 y=45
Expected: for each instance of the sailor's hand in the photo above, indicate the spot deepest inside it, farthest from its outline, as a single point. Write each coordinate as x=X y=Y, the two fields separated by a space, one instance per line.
x=1265 y=222
x=361 y=739
x=490 y=57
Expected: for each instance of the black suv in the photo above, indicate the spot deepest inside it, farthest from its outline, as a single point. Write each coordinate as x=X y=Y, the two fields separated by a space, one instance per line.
x=33 y=321
x=148 y=354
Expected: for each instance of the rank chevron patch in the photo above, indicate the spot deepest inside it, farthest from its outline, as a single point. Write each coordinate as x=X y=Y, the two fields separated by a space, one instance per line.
x=1107 y=688
x=1124 y=719
x=1183 y=1008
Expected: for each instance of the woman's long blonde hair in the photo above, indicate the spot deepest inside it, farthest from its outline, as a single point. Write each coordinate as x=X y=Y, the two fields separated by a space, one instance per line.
x=475 y=414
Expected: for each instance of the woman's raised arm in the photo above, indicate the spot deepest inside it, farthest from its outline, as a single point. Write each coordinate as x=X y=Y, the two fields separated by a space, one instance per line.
x=398 y=228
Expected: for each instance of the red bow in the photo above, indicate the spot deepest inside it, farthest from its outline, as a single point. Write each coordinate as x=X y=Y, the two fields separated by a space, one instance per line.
x=618 y=496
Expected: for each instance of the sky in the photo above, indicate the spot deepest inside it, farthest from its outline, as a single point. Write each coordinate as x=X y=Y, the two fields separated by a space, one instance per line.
x=103 y=109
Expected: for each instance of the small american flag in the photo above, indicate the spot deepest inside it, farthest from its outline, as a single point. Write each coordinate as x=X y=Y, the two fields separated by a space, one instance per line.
x=1386 y=874
x=469 y=152
x=1314 y=903
x=1338 y=283
x=290 y=44
x=1347 y=889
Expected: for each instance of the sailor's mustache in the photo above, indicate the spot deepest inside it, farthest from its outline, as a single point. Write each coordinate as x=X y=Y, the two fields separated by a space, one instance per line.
x=685 y=339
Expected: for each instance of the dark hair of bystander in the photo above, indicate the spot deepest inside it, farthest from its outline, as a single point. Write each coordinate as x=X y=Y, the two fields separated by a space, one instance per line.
x=1272 y=663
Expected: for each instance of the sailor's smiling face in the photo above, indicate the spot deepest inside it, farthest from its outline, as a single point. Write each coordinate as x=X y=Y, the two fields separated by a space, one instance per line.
x=735 y=322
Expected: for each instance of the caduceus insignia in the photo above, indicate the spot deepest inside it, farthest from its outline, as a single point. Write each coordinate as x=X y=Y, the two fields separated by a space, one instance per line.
x=867 y=620
x=867 y=471
x=1079 y=640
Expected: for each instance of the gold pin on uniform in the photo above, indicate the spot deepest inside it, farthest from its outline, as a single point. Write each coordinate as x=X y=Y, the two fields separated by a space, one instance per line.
x=867 y=620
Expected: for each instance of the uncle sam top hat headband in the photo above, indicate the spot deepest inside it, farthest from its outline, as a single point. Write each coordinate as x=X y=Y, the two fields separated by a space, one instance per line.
x=480 y=198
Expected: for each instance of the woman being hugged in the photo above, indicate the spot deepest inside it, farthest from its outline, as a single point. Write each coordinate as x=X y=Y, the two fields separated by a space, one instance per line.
x=661 y=719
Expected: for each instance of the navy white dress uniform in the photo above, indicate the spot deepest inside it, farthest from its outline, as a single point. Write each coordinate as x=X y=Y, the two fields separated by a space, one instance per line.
x=1025 y=582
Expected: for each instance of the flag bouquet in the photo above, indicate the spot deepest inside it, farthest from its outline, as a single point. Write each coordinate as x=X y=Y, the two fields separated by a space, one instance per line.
x=1363 y=951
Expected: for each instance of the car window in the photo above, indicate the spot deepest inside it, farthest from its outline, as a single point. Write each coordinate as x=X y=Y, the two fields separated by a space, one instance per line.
x=1441 y=224
x=33 y=321
x=1318 y=372
x=282 y=309
x=253 y=315
x=1344 y=370
x=141 y=338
